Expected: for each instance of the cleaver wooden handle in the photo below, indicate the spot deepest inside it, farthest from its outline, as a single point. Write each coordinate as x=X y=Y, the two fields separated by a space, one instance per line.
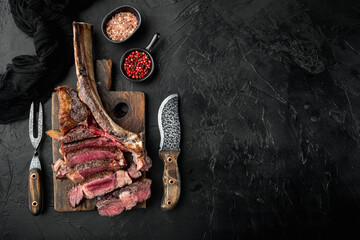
x=35 y=191
x=171 y=180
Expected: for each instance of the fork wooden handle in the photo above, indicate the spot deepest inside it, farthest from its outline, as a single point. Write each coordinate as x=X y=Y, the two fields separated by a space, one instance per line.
x=35 y=191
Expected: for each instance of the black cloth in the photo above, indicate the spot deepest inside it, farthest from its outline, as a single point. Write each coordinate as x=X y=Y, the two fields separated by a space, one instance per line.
x=32 y=78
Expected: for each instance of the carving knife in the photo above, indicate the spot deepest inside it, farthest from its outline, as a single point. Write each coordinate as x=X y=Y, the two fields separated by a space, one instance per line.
x=169 y=126
x=35 y=189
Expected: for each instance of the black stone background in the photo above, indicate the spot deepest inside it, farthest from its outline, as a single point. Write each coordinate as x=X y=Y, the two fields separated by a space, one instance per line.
x=270 y=121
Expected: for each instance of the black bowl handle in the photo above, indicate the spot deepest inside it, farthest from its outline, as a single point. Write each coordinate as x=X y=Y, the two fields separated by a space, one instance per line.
x=154 y=40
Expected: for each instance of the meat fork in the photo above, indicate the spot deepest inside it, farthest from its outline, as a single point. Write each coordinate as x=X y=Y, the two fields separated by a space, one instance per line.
x=35 y=189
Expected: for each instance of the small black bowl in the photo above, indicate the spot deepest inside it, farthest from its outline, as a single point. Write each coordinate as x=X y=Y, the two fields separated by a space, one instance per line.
x=147 y=51
x=116 y=11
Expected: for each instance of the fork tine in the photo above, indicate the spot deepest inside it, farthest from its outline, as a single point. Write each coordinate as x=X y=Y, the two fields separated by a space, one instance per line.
x=35 y=141
x=40 y=122
x=31 y=122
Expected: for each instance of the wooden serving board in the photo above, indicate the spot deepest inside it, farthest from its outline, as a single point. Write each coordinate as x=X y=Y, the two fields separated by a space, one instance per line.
x=126 y=108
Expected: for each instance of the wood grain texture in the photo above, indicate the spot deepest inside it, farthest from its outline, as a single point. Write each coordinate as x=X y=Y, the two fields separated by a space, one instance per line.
x=133 y=120
x=171 y=180
x=35 y=192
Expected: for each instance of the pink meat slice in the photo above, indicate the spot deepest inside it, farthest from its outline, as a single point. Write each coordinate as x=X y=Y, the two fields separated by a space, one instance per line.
x=128 y=200
x=75 y=195
x=143 y=162
x=94 y=142
x=116 y=202
x=88 y=154
x=78 y=133
x=81 y=171
x=98 y=185
x=80 y=175
x=133 y=172
x=111 y=208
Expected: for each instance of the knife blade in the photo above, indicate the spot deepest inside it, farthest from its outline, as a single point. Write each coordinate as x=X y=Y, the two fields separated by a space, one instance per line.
x=170 y=135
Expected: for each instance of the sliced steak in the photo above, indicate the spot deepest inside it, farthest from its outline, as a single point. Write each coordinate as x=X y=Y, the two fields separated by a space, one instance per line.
x=94 y=142
x=76 y=134
x=126 y=198
x=81 y=171
x=55 y=134
x=72 y=111
x=87 y=154
x=143 y=162
x=98 y=185
x=136 y=193
x=75 y=194
x=110 y=207
x=132 y=170
x=58 y=165
x=131 y=142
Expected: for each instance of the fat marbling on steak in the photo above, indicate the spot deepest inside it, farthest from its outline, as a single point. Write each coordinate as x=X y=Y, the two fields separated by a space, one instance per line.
x=86 y=86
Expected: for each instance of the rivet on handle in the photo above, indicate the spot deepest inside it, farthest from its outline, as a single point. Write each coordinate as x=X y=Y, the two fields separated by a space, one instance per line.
x=169 y=159
x=33 y=176
x=169 y=202
x=171 y=181
x=34 y=203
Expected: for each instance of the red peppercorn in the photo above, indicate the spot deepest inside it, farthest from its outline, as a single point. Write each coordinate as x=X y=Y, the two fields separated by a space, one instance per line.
x=137 y=65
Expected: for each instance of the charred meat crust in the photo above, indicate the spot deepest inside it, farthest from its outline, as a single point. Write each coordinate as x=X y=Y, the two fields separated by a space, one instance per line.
x=72 y=111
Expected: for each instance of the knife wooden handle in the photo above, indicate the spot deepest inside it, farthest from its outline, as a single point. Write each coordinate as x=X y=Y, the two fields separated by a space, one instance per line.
x=35 y=191
x=171 y=180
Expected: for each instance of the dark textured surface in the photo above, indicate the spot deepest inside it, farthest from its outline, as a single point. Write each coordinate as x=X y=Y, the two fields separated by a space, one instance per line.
x=26 y=78
x=269 y=94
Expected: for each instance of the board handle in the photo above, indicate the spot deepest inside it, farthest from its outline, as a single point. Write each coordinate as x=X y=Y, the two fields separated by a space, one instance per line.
x=171 y=180
x=35 y=191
